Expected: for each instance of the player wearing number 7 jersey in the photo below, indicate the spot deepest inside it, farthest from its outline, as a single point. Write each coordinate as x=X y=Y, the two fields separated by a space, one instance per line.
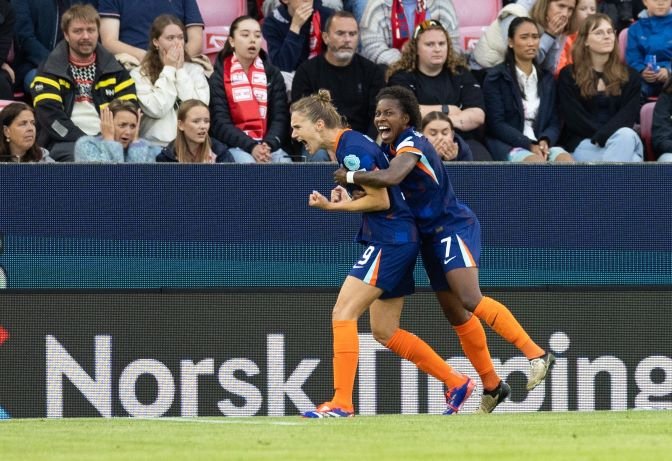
x=450 y=241
x=385 y=270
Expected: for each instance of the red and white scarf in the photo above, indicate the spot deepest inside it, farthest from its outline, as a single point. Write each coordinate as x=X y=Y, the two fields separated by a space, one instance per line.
x=315 y=38
x=247 y=95
x=400 y=32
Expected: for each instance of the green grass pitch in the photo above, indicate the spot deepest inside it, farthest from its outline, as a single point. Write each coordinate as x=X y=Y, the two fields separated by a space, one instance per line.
x=627 y=435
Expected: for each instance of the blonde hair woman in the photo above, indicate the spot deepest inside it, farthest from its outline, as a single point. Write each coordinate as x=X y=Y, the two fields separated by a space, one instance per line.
x=431 y=69
x=192 y=143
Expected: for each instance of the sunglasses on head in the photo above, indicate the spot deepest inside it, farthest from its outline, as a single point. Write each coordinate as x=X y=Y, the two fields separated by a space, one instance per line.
x=424 y=25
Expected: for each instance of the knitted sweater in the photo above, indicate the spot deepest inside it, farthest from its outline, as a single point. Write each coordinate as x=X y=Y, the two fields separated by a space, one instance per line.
x=376 y=28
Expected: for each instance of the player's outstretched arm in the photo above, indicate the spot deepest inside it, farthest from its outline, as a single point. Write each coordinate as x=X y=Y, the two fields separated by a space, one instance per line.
x=399 y=168
x=376 y=199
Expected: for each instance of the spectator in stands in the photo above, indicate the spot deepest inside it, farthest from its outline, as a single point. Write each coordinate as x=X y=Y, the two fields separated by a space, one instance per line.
x=166 y=77
x=621 y=12
x=248 y=99
x=293 y=33
x=37 y=32
x=269 y=5
x=119 y=139
x=125 y=24
x=352 y=79
x=78 y=78
x=7 y=76
x=388 y=24
x=584 y=8
x=599 y=98
x=356 y=7
x=662 y=124
x=650 y=36
x=520 y=102
x=436 y=74
x=19 y=135
x=554 y=17
x=438 y=128
x=192 y=143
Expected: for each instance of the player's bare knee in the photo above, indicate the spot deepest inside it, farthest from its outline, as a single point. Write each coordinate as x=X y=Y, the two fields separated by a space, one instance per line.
x=382 y=336
x=470 y=299
x=344 y=311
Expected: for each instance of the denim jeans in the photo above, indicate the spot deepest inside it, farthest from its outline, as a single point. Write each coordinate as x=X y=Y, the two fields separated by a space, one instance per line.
x=240 y=156
x=623 y=146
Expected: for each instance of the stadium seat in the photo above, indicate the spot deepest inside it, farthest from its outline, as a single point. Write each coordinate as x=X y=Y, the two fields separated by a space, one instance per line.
x=473 y=17
x=622 y=43
x=217 y=20
x=645 y=125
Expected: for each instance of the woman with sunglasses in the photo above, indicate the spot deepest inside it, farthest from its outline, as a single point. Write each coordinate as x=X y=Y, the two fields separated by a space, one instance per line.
x=437 y=75
x=387 y=25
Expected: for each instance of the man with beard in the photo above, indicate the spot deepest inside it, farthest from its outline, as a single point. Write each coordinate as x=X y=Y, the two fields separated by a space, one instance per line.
x=352 y=79
x=77 y=80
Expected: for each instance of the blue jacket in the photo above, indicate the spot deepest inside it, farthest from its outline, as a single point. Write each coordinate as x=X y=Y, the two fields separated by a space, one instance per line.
x=96 y=149
x=286 y=49
x=504 y=116
x=649 y=35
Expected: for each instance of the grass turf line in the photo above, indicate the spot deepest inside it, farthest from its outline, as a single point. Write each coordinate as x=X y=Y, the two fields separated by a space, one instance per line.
x=628 y=435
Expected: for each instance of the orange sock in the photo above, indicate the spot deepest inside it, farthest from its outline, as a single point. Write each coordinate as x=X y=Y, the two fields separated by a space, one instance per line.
x=475 y=347
x=410 y=347
x=505 y=324
x=346 y=357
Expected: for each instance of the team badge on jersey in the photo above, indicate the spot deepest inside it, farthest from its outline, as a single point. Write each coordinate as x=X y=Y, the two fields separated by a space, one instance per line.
x=351 y=162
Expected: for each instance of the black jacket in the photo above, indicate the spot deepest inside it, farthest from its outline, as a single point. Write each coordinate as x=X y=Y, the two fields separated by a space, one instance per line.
x=277 y=118
x=578 y=114
x=167 y=154
x=504 y=113
x=53 y=92
x=662 y=125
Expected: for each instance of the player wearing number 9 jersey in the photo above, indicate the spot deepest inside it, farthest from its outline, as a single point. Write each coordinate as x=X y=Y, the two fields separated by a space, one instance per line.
x=385 y=270
x=450 y=242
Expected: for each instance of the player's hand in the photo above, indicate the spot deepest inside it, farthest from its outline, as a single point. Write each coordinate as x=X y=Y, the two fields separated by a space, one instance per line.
x=339 y=194
x=317 y=200
x=107 y=124
x=339 y=176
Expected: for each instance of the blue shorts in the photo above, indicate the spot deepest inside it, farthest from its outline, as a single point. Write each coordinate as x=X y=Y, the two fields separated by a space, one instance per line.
x=388 y=267
x=451 y=250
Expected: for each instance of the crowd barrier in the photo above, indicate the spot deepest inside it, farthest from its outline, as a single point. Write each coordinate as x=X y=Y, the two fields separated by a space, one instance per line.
x=211 y=226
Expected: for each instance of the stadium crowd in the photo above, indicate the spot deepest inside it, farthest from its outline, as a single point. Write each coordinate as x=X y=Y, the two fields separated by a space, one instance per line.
x=106 y=80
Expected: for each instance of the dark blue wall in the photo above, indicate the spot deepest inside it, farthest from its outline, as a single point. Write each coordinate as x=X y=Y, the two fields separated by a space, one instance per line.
x=151 y=226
